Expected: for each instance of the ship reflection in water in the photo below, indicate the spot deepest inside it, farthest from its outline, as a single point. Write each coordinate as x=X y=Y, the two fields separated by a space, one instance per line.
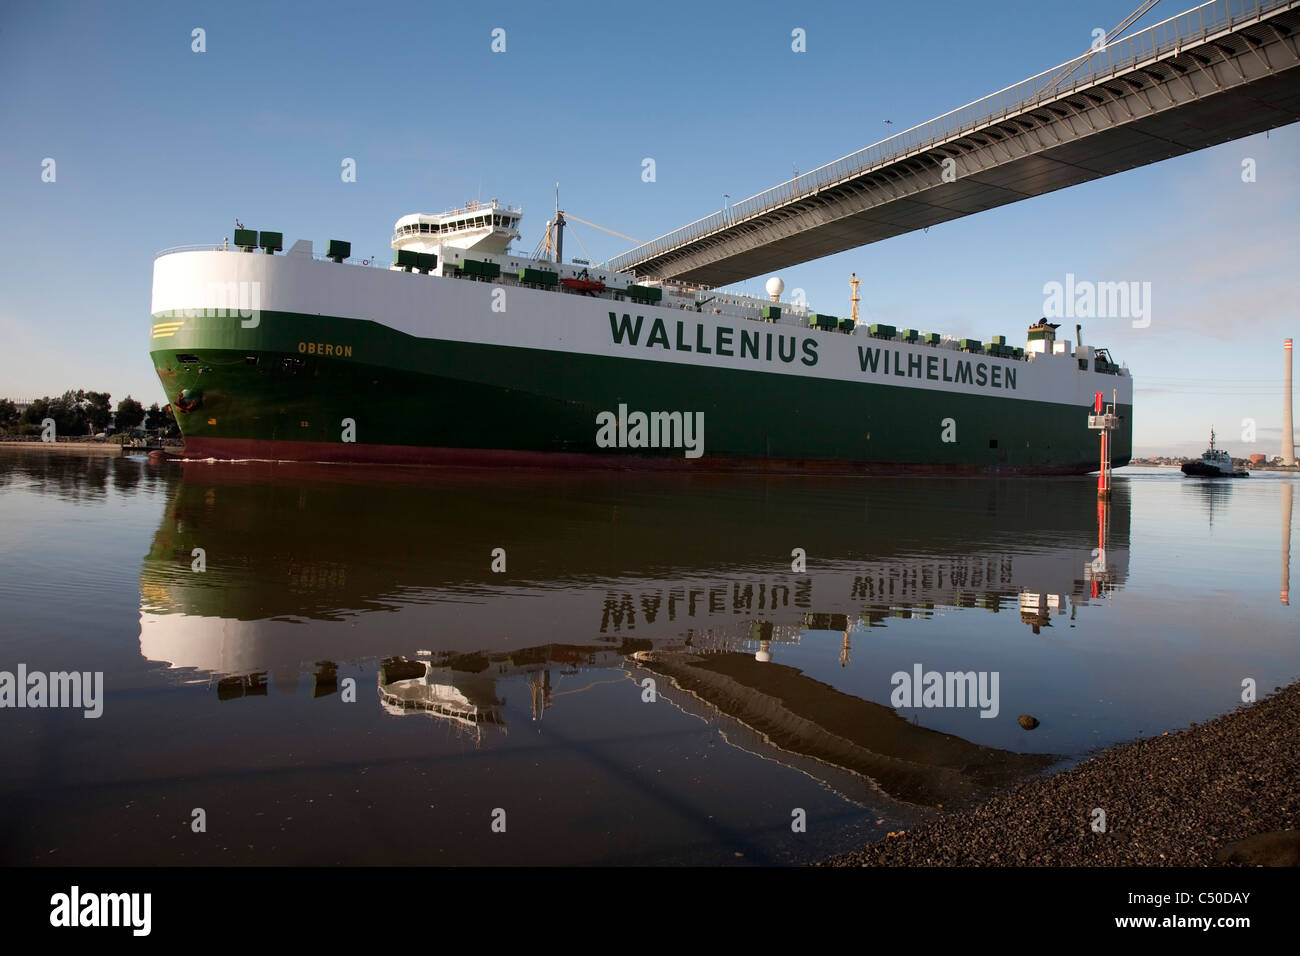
x=357 y=666
x=717 y=590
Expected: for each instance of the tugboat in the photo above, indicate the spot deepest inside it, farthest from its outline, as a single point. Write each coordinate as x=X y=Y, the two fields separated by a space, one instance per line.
x=1214 y=463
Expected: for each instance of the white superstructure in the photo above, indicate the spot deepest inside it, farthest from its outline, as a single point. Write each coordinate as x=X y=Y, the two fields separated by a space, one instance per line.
x=479 y=227
x=482 y=232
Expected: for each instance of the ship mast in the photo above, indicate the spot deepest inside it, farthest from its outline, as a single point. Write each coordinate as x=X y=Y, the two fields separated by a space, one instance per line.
x=559 y=228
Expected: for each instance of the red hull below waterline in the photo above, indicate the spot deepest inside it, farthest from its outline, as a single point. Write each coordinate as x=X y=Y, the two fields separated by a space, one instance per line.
x=233 y=449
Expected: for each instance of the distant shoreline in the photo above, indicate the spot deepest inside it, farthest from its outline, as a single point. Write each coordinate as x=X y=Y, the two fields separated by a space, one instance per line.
x=93 y=449
x=1284 y=469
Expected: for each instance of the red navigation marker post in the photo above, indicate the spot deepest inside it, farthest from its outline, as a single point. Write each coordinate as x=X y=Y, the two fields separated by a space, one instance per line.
x=1105 y=421
x=1097 y=571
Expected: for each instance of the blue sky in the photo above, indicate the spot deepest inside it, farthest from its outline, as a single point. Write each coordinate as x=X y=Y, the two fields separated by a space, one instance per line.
x=156 y=146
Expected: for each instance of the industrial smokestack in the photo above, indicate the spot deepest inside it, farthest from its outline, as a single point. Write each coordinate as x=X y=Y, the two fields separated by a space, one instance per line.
x=1288 y=437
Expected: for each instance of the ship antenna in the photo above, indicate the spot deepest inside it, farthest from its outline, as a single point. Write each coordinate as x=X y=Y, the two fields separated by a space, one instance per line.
x=559 y=228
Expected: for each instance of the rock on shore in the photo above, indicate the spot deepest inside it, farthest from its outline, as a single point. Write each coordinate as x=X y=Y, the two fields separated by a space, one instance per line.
x=1224 y=792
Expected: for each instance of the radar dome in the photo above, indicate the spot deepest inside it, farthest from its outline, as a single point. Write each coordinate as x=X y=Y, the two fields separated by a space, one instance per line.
x=775 y=286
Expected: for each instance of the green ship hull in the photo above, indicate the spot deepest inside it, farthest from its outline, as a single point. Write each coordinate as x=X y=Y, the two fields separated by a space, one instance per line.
x=308 y=387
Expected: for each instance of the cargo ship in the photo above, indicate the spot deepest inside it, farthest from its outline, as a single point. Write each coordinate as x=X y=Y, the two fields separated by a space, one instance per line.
x=465 y=353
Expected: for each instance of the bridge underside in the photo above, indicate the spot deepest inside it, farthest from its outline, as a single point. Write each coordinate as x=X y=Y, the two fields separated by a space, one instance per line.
x=1232 y=86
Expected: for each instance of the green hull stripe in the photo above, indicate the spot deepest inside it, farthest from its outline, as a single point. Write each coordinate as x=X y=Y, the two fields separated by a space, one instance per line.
x=403 y=390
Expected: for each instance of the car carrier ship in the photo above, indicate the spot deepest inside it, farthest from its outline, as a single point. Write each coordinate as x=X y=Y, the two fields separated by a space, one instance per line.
x=464 y=352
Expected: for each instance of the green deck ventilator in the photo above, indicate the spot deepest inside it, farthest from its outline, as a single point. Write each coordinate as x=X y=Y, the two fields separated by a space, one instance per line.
x=645 y=294
x=538 y=277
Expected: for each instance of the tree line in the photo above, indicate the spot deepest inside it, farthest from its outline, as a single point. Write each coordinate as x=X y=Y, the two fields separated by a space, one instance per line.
x=85 y=413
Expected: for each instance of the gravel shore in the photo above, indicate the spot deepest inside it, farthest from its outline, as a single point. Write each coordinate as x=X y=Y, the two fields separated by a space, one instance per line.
x=1224 y=792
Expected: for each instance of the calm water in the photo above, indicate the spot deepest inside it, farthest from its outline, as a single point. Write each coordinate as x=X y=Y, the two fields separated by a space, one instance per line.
x=348 y=680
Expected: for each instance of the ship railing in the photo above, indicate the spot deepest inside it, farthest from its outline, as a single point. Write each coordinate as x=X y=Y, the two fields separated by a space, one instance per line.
x=1190 y=27
x=371 y=261
x=226 y=247
x=488 y=206
x=614 y=292
x=193 y=247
